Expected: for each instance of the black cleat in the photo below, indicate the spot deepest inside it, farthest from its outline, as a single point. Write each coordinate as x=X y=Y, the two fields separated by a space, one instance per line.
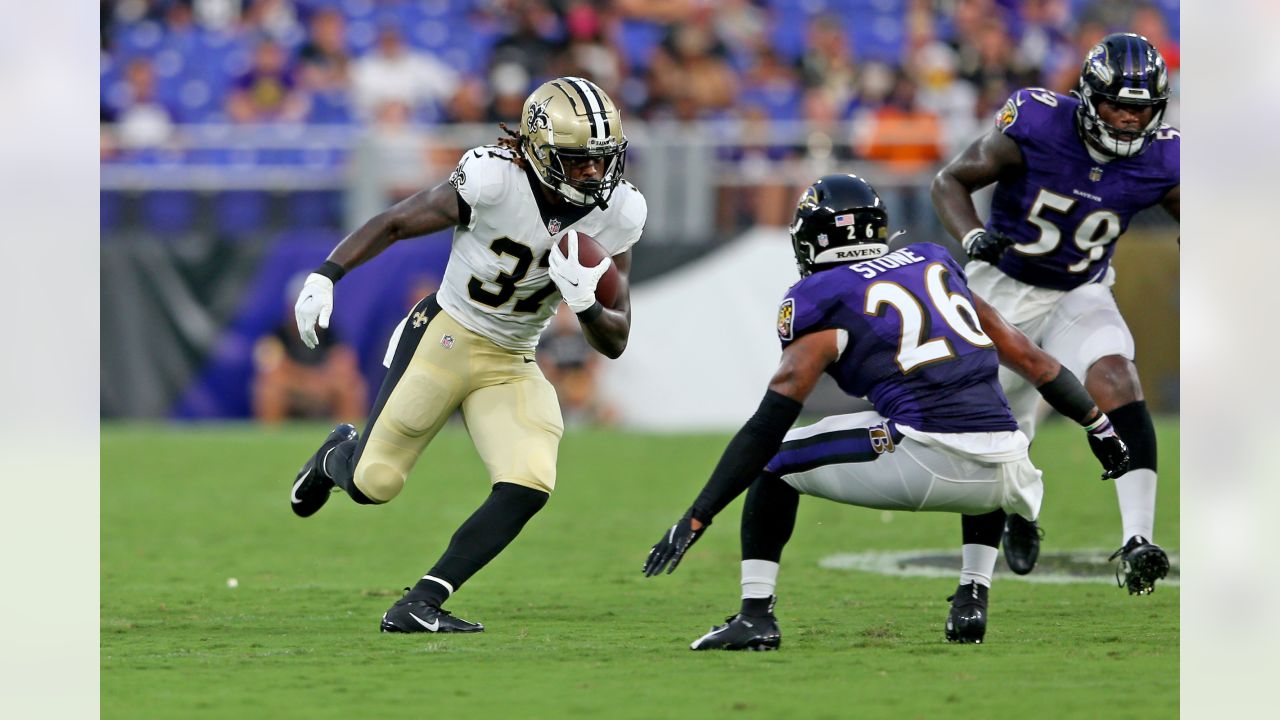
x=312 y=487
x=417 y=616
x=967 y=622
x=1142 y=563
x=1021 y=543
x=742 y=632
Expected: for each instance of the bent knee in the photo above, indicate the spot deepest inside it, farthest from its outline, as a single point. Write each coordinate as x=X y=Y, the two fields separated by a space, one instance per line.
x=1113 y=381
x=544 y=484
x=378 y=481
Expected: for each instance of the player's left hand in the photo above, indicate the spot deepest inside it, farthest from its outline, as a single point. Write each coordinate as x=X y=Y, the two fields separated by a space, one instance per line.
x=1109 y=449
x=315 y=305
x=674 y=544
x=577 y=283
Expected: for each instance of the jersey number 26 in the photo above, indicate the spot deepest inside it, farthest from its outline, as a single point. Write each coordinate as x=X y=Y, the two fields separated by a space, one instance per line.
x=914 y=351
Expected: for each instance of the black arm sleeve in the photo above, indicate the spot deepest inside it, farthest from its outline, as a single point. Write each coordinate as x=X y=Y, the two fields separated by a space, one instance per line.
x=747 y=454
x=1066 y=395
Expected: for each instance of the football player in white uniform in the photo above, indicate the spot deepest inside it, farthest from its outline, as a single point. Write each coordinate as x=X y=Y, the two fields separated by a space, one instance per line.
x=470 y=345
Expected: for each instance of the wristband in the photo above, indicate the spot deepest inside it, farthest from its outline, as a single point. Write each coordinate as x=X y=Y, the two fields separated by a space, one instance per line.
x=331 y=270
x=1102 y=422
x=970 y=236
x=590 y=314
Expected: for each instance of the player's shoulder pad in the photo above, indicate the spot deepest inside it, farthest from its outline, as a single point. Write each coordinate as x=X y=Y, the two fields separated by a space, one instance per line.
x=633 y=210
x=809 y=304
x=1028 y=109
x=1168 y=142
x=484 y=174
x=628 y=213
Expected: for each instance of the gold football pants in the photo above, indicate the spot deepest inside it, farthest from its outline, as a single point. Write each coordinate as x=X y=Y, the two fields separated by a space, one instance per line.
x=509 y=408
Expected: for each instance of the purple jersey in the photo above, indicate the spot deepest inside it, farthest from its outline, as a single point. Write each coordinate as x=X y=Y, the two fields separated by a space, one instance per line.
x=1065 y=210
x=915 y=349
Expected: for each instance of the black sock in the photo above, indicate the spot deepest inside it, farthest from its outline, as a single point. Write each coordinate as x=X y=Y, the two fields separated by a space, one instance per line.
x=489 y=529
x=340 y=466
x=433 y=592
x=983 y=529
x=756 y=607
x=1133 y=425
x=768 y=517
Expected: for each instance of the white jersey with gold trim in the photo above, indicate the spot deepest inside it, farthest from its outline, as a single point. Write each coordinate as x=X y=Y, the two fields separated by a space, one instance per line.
x=496 y=282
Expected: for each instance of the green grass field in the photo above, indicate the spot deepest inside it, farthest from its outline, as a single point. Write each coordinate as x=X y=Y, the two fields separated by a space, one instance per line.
x=572 y=628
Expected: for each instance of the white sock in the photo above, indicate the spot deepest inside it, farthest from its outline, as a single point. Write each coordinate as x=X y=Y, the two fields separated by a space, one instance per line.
x=759 y=578
x=1136 y=491
x=977 y=563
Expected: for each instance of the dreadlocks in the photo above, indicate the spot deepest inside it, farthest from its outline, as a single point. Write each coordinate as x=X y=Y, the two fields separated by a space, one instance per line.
x=511 y=141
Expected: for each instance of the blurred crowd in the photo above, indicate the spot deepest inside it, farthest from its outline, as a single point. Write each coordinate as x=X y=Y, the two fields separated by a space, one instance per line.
x=937 y=68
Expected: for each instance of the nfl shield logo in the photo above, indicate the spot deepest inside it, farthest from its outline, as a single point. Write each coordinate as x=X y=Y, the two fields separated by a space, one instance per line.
x=553 y=227
x=1095 y=174
x=822 y=240
x=446 y=342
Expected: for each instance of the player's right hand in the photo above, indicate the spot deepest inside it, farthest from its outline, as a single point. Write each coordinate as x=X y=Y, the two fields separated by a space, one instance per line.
x=982 y=245
x=1109 y=449
x=314 y=306
x=577 y=283
x=674 y=544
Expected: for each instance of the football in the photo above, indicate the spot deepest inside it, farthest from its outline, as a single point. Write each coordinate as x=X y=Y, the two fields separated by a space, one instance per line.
x=590 y=253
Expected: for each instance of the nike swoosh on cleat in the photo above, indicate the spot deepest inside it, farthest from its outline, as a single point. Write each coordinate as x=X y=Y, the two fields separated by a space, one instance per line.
x=323 y=463
x=293 y=495
x=714 y=631
x=433 y=626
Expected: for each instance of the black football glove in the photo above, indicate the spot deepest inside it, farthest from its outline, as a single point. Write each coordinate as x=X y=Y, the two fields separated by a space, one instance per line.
x=982 y=245
x=1108 y=448
x=671 y=548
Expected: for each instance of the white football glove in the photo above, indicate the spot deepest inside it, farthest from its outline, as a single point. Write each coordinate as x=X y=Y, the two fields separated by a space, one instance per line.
x=577 y=283
x=315 y=305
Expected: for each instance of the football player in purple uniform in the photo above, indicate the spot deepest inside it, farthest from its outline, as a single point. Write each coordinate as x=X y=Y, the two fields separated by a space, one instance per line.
x=901 y=329
x=1069 y=173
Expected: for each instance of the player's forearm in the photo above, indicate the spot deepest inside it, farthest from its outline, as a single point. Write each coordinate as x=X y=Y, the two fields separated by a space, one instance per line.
x=365 y=243
x=606 y=330
x=954 y=204
x=1065 y=394
x=746 y=455
x=423 y=213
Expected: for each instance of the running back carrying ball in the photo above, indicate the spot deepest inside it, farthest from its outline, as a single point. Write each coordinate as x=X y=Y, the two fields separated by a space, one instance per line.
x=590 y=253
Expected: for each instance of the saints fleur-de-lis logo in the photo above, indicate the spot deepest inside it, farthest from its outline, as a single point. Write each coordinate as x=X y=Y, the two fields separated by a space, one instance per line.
x=538 y=118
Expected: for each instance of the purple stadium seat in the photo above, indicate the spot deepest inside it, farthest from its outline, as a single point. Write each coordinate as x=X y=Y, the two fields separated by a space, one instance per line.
x=168 y=212
x=240 y=212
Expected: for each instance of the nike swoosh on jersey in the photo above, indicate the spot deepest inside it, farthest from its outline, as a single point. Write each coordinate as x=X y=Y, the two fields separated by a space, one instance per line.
x=433 y=626
x=529 y=360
